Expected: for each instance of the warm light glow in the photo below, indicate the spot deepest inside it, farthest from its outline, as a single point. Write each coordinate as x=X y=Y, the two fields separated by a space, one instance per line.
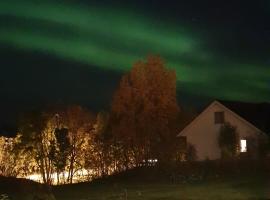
x=79 y=176
x=151 y=160
x=243 y=145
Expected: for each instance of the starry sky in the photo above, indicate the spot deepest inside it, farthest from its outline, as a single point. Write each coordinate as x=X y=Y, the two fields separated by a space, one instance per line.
x=54 y=51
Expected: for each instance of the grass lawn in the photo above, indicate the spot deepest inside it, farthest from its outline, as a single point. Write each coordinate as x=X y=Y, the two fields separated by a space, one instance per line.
x=251 y=186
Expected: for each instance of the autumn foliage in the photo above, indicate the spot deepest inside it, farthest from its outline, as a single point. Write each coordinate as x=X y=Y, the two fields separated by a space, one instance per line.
x=145 y=111
x=71 y=144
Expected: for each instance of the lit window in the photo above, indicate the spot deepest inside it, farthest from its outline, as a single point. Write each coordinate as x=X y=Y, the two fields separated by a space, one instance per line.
x=243 y=145
x=219 y=117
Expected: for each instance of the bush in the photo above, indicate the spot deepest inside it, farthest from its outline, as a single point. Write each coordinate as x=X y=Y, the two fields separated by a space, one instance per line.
x=228 y=140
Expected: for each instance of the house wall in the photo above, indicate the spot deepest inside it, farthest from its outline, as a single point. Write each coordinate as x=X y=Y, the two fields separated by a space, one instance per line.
x=203 y=133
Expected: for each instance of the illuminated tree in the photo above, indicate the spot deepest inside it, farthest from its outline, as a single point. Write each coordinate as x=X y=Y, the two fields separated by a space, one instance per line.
x=145 y=111
x=79 y=123
x=57 y=141
x=37 y=139
x=104 y=154
x=99 y=156
x=7 y=158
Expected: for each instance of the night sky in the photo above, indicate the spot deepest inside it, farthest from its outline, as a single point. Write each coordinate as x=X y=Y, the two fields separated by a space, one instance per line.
x=65 y=52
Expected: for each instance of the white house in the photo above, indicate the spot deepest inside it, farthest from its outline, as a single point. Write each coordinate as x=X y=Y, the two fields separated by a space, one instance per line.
x=251 y=121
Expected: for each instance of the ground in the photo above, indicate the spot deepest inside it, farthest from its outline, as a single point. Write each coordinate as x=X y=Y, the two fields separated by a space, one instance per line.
x=244 y=189
x=252 y=186
x=208 y=180
x=22 y=189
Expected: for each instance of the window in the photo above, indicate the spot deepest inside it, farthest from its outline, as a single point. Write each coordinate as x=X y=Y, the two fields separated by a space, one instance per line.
x=243 y=146
x=219 y=117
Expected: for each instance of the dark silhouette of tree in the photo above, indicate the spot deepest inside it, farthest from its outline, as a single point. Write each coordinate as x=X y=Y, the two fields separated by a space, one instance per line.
x=145 y=112
x=228 y=140
x=60 y=152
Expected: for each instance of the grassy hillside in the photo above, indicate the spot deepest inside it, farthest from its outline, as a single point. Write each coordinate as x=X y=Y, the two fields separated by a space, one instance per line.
x=150 y=185
x=244 y=188
x=208 y=180
x=22 y=189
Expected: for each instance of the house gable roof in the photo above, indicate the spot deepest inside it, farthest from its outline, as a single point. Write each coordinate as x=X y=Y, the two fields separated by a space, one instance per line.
x=257 y=114
x=196 y=119
x=259 y=129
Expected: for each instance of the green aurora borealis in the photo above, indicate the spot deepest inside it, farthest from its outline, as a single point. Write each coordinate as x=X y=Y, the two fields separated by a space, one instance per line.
x=111 y=38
